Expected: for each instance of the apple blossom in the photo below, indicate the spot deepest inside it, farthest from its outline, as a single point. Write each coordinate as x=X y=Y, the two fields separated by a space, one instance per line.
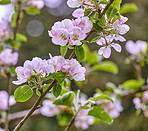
x=4 y=100
x=8 y=58
x=113 y=109
x=138 y=103
x=83 y=120
x=137 y=47
x=119 y=28
x=106 y=50
x=4 y=32
x=78 y=13
x=2 y=129
x=74 y=3
x=49 y=109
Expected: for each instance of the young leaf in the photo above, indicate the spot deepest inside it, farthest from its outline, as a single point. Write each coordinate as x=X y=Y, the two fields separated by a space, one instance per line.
x=80 y=53
x=99 y=112
x=23 y=93
x=108 y=66
x=87 y=12
x=65 y=99
x=128 y=7
x=110 y=86
x=20 y=37
x=95 y=39
x=44 y=88
x=63 y=50
x=57 y=90
x=133 y=84
x=103 y=97
x=97 y=27
x=4 y=2
x=32 y=10
x=59 y=76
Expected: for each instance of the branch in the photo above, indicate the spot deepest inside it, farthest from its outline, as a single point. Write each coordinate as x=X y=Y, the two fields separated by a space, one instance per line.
x=8 y=106
x=107 y=6
x=17 y=22
x=34 y=107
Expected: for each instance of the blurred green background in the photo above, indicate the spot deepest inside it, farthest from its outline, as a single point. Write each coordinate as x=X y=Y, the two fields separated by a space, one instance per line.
x=41 y=46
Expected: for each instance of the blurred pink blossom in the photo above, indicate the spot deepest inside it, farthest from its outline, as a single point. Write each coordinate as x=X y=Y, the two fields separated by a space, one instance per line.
x=8 y=58
x=137 y=47
x=4 y=100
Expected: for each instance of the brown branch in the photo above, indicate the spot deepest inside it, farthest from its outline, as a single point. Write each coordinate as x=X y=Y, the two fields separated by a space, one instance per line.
x=17 y=23
x=107 y=6
x=34 y=107
x=8 y=106
x=71 y=122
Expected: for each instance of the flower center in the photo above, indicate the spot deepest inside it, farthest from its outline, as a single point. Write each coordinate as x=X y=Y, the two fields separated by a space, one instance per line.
x=75 y=37
x=63 y=36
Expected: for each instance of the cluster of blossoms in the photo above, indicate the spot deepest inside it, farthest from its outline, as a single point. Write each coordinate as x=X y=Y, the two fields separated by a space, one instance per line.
x=141 y=103
x=113 y=109
x=8 y=58
x=4 y=100
x=117 y=29
x=55 y=64
x=72 y=31
x=82 y=120
x=137 y=48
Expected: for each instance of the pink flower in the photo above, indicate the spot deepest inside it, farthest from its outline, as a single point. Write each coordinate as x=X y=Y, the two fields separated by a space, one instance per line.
x=120 y=29
x=4 y=32
x=78 y=13
x=136 y=48
x=74 y=3
x=106 y=50
x=113 y=109
x=76 y=36
x=8 y=58
x=49 y=109
x=84 y=23
x=145 y=97
x=83 y=120
x=4 y=100
x=138 y=103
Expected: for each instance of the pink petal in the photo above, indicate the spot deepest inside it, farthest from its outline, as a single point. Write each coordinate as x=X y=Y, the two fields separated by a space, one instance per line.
x=116 y=46
x=78 y=13
x=107 y=52
x=101 y=50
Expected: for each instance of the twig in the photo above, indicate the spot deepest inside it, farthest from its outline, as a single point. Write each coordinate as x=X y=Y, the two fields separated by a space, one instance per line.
x=8 y=106
x=107 y=6
x=34 y=107
x=17 y=23
x=71 y=122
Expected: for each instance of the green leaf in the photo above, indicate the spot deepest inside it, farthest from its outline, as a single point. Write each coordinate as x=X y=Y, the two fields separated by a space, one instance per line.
x=94 y=0
x=20 y=37
x=108 y=66
x=102 y=97
x=102 y=21
x=44 y=88
x=111 y=12
x=113 y=9
x=23 y=93
x=65 y=99
x=92 y=58
x=63 y=50
x=95 y=39
x=87 y=12
x=80 y=53
x=59 y=76
x=128 y=7
x=57 y=90
x=133 y=84
x=99 y=112
x=97 y=27
x=32 y=10
x=1 y=48
x=110 y=86
x=4 y=2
